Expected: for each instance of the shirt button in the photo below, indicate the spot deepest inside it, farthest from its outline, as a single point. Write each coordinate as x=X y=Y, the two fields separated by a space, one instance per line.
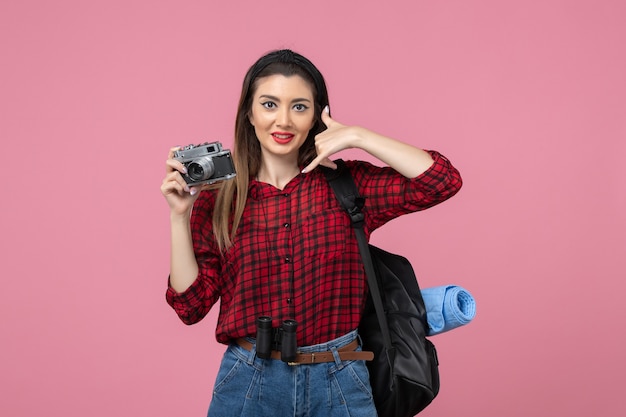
x=285 y=194
x=286 y=225
x=287 y=260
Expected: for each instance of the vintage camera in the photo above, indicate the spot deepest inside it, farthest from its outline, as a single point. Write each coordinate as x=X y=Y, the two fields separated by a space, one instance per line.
x=206 y=163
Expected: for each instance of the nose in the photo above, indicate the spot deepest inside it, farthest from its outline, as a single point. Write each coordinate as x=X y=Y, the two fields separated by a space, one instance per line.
x=283 y=117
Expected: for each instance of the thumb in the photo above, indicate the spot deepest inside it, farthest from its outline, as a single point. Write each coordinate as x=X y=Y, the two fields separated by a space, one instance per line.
x=320 y=160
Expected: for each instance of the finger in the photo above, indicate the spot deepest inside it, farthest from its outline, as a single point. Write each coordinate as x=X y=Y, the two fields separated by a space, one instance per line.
x=175 y=176
x=172 y=187
x=314 y=163
x=172 y=150
x=171 y=155
x=175 y=165
x=326 y=116
x=320 y=160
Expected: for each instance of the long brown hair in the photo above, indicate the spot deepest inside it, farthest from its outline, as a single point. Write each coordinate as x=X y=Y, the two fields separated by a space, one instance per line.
x=232 y=196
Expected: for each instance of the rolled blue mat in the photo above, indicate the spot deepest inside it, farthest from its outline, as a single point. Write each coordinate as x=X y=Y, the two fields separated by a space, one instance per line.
x=448 y=307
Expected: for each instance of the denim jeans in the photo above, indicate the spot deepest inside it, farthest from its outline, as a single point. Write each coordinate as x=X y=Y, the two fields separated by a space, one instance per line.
x=247 y=386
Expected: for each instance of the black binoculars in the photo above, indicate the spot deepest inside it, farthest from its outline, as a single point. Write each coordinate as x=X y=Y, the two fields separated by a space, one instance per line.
x=283 y=339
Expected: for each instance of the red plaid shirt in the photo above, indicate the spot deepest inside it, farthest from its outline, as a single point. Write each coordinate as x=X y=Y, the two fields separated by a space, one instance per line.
x=295 y=255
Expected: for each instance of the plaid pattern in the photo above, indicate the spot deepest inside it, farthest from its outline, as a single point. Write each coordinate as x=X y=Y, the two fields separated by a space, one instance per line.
x=295 y=255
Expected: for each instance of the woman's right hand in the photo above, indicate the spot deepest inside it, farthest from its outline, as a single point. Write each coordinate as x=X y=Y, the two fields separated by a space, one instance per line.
x=178 y=194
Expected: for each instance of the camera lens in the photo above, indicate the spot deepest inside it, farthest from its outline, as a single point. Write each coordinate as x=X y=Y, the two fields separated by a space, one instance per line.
x=200 y=169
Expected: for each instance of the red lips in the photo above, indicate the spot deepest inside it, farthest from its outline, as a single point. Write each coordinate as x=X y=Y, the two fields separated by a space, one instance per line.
x=282 y=137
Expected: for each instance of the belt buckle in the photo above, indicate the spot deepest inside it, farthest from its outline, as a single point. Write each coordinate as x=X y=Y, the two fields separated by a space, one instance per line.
x=300 y=363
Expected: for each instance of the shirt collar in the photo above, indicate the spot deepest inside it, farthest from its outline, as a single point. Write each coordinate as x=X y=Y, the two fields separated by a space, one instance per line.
x=259 y=190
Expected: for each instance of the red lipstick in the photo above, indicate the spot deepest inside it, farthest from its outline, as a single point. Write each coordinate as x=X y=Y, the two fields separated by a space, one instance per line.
x=282 y=137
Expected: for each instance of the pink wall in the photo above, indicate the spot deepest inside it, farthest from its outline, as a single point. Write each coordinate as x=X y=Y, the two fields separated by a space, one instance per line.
x=527 y=98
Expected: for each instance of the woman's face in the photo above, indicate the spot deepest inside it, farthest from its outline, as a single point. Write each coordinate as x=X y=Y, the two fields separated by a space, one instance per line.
x=282 y=113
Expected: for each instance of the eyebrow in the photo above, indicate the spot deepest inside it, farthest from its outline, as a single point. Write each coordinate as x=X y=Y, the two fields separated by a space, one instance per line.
x=295 y=100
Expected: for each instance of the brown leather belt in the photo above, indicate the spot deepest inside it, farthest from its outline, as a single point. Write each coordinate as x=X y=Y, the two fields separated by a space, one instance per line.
x=346 y=353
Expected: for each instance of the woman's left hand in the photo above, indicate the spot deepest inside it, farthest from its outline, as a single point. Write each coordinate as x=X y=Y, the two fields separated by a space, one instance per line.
x=408 y=160
x=335 y=138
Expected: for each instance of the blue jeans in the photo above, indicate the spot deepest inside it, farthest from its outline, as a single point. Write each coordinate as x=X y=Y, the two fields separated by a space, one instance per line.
x=248 y=386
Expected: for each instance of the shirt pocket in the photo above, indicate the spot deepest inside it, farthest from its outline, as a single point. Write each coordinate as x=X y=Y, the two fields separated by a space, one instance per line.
x=325 y=234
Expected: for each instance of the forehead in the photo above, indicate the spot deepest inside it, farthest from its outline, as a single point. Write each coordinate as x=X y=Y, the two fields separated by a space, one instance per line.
x=283 y=86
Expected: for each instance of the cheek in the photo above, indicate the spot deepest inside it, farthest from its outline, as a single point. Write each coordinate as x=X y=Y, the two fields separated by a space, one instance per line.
x=259 y=120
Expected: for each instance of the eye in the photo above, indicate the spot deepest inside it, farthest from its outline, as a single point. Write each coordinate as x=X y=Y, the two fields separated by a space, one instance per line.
x=269 y=104
x=300 y=107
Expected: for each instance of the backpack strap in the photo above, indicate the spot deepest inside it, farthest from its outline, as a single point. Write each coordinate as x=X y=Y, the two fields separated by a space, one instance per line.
x=347 y=194
x=342 y=183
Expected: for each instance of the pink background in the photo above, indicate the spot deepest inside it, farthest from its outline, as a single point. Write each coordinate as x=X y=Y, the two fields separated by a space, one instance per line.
x=528 y=99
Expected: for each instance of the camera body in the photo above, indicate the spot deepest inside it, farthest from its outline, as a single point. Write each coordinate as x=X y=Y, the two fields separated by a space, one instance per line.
x=206 y=163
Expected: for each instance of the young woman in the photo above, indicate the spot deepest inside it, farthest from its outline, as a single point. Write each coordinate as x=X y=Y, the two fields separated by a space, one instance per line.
x=273 y=243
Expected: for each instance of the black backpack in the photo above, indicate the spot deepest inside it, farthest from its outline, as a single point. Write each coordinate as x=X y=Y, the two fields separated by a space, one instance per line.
x=404 y=373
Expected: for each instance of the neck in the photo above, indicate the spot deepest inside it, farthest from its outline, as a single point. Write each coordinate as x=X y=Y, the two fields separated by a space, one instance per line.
x=278 y=172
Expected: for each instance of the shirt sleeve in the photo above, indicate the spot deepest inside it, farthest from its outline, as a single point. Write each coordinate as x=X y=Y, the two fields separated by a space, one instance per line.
x=193 y=304
x=438 y=183
x=388 y=194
